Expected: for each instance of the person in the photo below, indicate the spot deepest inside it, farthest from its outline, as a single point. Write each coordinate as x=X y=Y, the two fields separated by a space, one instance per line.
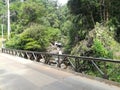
x=60 y=51
x=59 y=59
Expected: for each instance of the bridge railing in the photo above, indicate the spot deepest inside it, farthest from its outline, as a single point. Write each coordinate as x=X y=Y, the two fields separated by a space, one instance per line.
x=106 y=68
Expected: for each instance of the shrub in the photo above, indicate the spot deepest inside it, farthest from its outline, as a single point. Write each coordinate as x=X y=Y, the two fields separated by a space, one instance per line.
x=100 y=51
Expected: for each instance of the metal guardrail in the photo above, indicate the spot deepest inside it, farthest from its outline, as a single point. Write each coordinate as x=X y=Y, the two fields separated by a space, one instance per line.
x=100 y=67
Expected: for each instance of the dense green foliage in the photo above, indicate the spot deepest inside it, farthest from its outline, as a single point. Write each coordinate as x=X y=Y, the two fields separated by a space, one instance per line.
x=99 y=49
x=85 y=14
x=95 y=32
x=35 y=24
x=84 y=27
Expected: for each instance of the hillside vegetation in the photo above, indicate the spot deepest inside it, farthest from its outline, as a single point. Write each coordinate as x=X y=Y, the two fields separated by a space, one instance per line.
x=95 y=29
x=99 y=42
x=84 y=27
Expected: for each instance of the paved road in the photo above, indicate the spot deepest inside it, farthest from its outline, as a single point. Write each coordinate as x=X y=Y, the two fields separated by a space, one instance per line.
x=20 y=74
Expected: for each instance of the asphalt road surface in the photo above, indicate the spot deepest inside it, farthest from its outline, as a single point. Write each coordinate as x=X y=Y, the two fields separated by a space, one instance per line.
x=21 y=74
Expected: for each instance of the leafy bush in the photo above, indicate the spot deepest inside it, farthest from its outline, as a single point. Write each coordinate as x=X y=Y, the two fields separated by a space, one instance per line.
x=100 y=51
x=14 y=43
x=53 y=34
x=32 y=45
x=33 y=38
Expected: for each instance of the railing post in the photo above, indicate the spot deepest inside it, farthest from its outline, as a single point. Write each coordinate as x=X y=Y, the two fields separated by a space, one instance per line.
x=8 y=51
x=38 y=57
x=12 y=52
x=2 y=50
x=34 y=56
x=28 y=57
x=47 y=58
x=58 y=62
x=105 y=76
x=76 y=65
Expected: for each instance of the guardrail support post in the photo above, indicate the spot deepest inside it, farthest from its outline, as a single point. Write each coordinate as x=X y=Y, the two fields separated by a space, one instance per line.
x=105 y=71
x=2 y=50
x=58 y=62
x=76 y=65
